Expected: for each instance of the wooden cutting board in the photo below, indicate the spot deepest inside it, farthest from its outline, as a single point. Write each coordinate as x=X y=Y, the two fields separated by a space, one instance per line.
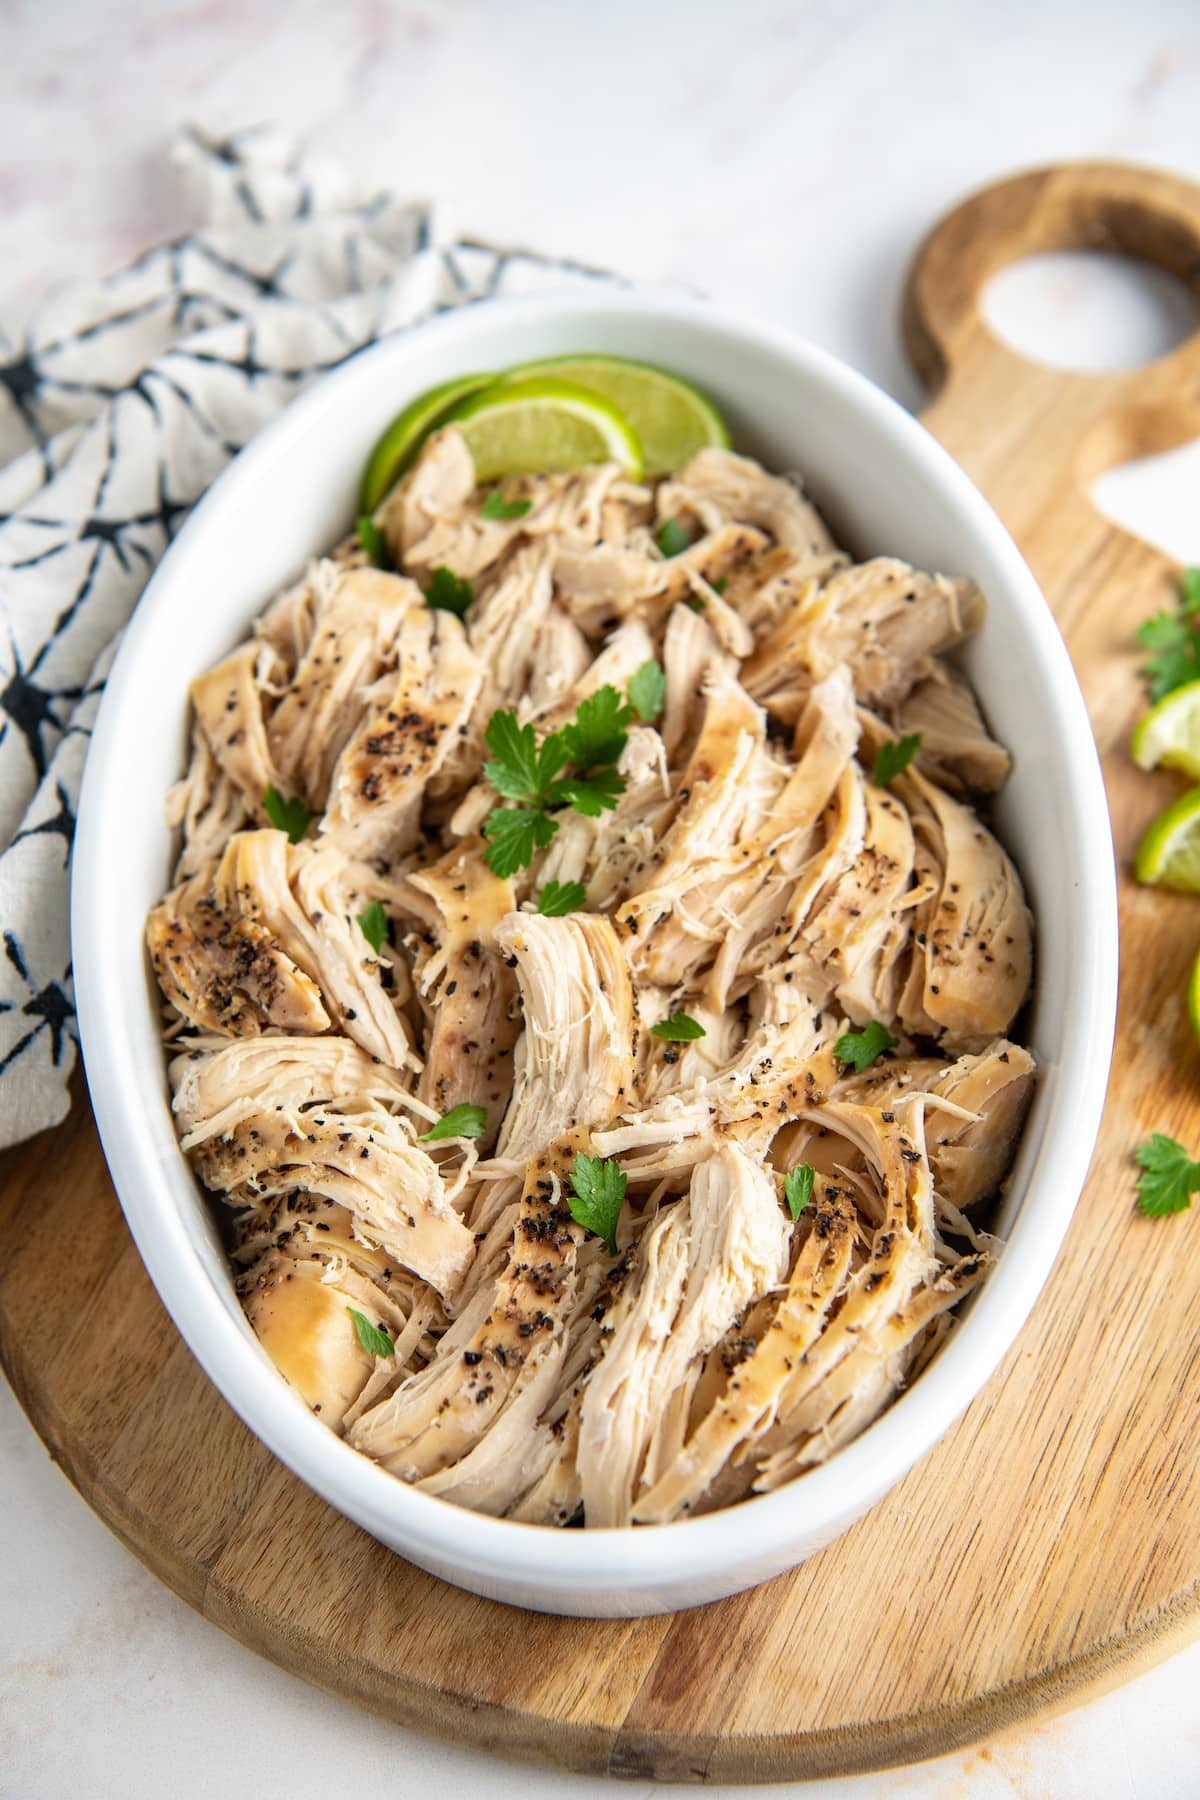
x=1049 y=1546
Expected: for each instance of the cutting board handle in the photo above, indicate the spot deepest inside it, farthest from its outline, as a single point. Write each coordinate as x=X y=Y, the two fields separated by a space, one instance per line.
x=1031 y=435
x=1092 y=420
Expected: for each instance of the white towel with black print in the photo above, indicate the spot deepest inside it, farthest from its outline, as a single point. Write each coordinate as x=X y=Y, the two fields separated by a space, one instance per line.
x=119 y=403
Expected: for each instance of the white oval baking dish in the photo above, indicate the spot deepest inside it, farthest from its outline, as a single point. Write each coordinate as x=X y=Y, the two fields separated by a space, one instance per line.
x=887 y=486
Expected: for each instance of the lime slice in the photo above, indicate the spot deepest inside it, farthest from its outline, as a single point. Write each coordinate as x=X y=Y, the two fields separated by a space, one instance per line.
x=672 y=419
x=529 y=427
x=400 y=442
x=1170 y=733
x=1169 y=854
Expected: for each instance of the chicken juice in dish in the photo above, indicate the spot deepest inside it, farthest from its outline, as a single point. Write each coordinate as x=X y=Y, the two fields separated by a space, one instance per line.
x=587 y=980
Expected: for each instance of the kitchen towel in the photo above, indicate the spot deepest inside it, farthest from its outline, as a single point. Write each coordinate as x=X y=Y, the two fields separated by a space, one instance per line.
x=120 y=401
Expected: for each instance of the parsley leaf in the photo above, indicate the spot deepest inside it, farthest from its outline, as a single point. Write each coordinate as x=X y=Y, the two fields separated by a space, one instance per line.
x=679 y=1028
x=599 y=1190
x=497 y=507
x=374 y=925
x=598 y=732
x=859 y=1049
x=521 y=769
x=647 y=691
x=465 y=1121
x=448 y=592
x=291 y=816
x=798 y=1188
x=694 y=602
x=892 y=759
x=1174 y=639
x=720 y=584
x=590 y=795
x=558 y=898
x=672 y=538
x=514 y=833
x=374 y=543
x=373 y=1338
x=514 y=773
x=1168 y=1179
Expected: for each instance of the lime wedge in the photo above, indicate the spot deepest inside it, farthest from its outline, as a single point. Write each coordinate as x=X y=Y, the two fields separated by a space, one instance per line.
x=671 y=418
x=400 y=442
x=1170 y=733
x=529 y=427
x=1169 y=854
x=1194 y=997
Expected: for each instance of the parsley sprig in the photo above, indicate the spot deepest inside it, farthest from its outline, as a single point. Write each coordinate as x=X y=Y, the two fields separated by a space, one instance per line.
x=373 y=1338
x=891 y=759
x=374 y=543
x=598 y=1192
x=678 y=1028
x=798 y=1188
x=1173 y=638
x=859 y=1049
x=1168 y=1176
x=448 y=592
x=497 y=507
x=465 y=1121
x=291 y=816
x=558 y=898
x=373 y=923
x=574 y=766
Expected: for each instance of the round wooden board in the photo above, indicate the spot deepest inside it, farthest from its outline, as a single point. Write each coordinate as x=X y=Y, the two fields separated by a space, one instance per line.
x=1047 y=1546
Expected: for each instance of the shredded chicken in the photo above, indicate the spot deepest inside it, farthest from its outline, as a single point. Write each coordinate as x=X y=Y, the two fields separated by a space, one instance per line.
x=415 y=1083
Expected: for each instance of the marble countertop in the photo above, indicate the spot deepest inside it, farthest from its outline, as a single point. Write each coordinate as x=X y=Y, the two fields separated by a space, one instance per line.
x=784 y=157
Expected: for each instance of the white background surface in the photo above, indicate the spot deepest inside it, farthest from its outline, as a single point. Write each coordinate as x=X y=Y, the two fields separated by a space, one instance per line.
x=786 y=158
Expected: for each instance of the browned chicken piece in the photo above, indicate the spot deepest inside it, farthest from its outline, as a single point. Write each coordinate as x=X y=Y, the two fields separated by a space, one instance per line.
x=218 y=1084
x=746 y=1407
x=366 y=1162
x=229 y=708
x=601 y=584
x=900 y=1260
x=691 y=658
x=304 y=1274
x=434 y=1428
x=882 y=618
x=303 y=899
x=974 y=1114
x=718 y=486
x=378 y=785
x=299 y=1310
x=353 y=643
x=972 y=954
x=956 y=747
x=206 y=806
x=225 y=972
x=467 y=990
x=574 y=1058
x=711 y=803
x=285 y=629
x=694 y=1272
x=850 y=932
x=768 y=585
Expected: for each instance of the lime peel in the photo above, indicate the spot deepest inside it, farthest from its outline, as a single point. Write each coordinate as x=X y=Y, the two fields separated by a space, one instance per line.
x=672 y=419
x=529 y=427
x=1169 y=854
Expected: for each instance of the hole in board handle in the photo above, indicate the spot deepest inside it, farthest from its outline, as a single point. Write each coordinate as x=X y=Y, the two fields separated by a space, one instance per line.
x=1089 y=310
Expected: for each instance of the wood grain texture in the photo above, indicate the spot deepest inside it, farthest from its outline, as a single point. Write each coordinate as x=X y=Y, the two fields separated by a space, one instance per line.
x=1048 y=1546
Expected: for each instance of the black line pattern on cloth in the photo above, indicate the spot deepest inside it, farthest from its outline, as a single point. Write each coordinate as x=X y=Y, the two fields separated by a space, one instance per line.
x=120 y=402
